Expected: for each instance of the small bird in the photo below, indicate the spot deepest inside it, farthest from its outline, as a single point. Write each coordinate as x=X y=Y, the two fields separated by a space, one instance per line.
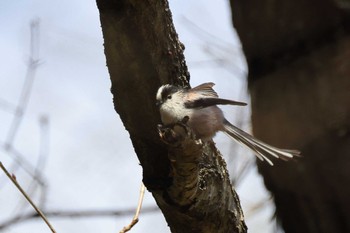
x=205 y=118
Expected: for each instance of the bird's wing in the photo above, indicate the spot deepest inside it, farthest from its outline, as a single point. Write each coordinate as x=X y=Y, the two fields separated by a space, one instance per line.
x=210 y=97
x=204 y=89
x=208 y=101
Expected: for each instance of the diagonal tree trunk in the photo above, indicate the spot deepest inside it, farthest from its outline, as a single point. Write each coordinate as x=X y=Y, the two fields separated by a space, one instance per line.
x=298 y=53
x=188 y=180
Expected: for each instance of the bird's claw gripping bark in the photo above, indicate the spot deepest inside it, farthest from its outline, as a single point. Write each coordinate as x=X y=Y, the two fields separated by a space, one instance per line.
x=174 y=133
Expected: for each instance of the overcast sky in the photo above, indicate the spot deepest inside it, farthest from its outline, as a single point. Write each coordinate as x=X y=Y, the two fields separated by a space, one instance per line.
x=91 y=162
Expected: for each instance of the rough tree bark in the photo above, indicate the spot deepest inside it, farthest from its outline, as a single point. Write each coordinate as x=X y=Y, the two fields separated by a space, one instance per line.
x=188 y=180
x=298 y=54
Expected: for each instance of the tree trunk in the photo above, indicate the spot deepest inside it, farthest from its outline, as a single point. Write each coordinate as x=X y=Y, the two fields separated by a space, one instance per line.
x=298 y=54
x=188 y=179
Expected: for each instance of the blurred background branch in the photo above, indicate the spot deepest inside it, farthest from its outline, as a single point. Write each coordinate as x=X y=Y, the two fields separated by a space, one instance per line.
x=73 y=214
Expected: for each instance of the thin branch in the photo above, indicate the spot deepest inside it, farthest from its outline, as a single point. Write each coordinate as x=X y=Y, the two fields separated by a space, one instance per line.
x=34 y=39
x=41 y=162
x=200 y=32
x=220 y=50
x=7 y=106
x=43 y=155
x=74 y=214
x=135 y=219
x=20 y=160
x=14 y=181
x=27 y=86
x=223 y=58
x=20 y=108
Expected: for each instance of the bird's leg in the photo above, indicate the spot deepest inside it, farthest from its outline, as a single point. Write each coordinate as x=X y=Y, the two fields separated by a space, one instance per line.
x=174 y=133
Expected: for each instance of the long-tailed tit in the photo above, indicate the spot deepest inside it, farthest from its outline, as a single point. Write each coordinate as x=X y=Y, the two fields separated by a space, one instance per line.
x=206 y=119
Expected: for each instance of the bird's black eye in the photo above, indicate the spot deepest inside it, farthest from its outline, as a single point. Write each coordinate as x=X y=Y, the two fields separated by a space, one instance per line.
x=169 y=97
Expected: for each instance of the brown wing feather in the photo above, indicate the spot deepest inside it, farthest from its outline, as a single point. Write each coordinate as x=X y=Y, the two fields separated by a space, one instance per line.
x=205 y=89
x=210 y=97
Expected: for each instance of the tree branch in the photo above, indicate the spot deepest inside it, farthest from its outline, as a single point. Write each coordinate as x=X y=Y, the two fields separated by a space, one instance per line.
x=188 y=180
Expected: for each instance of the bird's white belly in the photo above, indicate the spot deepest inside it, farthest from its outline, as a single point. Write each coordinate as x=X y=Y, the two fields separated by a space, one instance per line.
x=171 y=116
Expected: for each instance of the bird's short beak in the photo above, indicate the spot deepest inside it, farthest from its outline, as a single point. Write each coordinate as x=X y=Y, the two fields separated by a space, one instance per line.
x=158 y=103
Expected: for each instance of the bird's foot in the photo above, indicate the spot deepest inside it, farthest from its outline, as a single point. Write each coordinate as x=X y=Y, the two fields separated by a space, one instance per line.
x=173 y=134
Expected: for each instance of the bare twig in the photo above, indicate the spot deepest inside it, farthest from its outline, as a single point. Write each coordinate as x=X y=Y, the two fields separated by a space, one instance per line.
x=20 y=160
x=7 y=106
x=135 y=219
x=27 y=86
x=14 y=181
x=20 y=108
x=74 y=214
x=202 y=33
x=41 y=162
x=220 y=50
x=43 y=155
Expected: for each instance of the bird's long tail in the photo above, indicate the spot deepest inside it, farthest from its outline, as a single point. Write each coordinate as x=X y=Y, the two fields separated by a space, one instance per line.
x=262 y=150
